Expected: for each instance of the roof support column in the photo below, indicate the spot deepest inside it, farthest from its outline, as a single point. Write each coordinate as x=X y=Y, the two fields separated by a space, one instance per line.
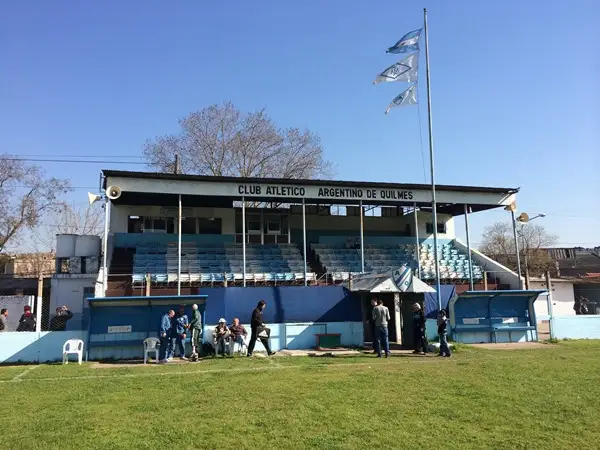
x=179 y=247
x=417 y=243
x=362 y=237
x=244 y=239
x=304 y=237
x=469 y=247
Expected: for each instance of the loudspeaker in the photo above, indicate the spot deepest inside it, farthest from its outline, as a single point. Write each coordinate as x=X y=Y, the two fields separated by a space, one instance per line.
x=93 y=198
x=113 y=192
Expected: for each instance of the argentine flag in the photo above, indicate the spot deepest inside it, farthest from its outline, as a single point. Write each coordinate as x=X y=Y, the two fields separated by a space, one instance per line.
x=405 y=70
x=408 y=97
x=408 y=43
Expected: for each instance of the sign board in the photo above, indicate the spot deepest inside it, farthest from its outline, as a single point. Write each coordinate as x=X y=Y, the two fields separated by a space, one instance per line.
x=120 y=329
x=402 y=278
x=471 y=320
x=319 y=191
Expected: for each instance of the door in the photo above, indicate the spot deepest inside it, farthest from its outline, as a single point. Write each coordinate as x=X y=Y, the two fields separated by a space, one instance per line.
x=406 y=302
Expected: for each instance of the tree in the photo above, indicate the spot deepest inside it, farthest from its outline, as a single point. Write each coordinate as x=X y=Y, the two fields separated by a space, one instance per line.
x=220 y=140
x=27 y=196
x=69 y=219
x=498 y=243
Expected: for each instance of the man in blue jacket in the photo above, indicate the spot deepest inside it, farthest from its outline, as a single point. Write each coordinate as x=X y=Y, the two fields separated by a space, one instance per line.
x=181 y=326
x=165 y=333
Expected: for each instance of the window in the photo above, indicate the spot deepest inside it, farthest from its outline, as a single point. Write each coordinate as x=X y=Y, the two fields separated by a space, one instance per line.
x=135 y=224
x=254 y=225
x=441 y=228
x=209 y=226
x=188 y=225
x=273 y=227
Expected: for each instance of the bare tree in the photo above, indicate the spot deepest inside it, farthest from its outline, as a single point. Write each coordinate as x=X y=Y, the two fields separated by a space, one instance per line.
x=69 y=219
x=220 y=140
x=27 y=196
x=498 y=243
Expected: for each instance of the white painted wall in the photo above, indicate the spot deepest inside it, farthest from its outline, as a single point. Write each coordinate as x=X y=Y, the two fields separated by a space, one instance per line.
x=563 y=299
x=504 y=274
x=68 y=290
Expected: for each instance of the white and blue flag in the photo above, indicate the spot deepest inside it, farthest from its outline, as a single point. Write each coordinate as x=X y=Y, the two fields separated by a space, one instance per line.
x=408 y=97
x=408 y=43
x=405 y=70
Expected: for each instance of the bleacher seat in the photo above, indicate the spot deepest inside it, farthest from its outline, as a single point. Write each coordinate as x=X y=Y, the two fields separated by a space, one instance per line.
x=339 y=260
x=215 y=263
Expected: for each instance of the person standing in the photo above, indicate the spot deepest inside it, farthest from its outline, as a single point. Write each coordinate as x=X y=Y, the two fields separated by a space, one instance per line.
x=196 y=331
x=27 y=320
x=164 y=334
x=443 y=334
x=181 y=326
x=259 y=330
x=381 y=316
x=3 y=318
x=59 y=321
x=419 y=329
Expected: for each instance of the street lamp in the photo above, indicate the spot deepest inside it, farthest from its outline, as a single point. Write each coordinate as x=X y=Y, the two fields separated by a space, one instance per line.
x=523 y=219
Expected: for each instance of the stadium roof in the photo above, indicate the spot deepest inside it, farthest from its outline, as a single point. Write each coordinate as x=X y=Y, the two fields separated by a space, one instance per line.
x=203 y=190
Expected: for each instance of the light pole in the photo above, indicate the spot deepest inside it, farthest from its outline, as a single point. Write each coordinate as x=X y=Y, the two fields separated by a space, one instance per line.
x=512 y=208
x=523 y=219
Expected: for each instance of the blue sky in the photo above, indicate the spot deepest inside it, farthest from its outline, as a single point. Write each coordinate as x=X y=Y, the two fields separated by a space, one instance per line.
x=515 y=88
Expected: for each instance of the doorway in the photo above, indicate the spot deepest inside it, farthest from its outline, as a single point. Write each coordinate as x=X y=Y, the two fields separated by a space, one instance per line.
x=406 y=312
x=367 y=310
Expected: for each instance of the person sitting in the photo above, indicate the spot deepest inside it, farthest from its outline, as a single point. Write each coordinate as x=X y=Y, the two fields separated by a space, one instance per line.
x=238 y=334
x=221 y=336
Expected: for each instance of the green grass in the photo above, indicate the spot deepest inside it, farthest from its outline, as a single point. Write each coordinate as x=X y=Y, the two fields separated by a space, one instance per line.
x=542 y=398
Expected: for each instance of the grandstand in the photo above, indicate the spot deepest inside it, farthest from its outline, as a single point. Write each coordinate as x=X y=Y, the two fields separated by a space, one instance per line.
x=247 y=232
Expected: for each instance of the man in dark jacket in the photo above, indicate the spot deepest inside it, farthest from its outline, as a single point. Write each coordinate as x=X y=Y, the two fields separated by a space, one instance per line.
x=257 y=326
x=27 y=320
x=419 y=329
x=181 y=327
x=59 y=321
x=443 y=334
x=165 y=335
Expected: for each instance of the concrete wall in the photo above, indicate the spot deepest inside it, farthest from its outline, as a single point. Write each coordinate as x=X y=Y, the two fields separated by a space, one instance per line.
x=394 y=225
x=504 y=274
x=69 y=290
x=292 y=336
x=563 y=299
x=120 y=214
x=35 y=347
x=576 y=327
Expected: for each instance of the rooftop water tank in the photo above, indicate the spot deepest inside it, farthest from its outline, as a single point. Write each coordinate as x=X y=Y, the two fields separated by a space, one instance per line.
x=87 y=246
x=65 y=245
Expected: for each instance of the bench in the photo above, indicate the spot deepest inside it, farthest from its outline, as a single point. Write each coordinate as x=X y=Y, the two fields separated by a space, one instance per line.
x=509 y=329
x=482 y=327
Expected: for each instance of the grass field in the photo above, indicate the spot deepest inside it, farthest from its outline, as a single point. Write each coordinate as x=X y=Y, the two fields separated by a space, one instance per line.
x=536 y=398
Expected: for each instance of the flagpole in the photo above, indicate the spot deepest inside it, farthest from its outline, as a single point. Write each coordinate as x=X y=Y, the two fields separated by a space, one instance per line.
x=432 y=168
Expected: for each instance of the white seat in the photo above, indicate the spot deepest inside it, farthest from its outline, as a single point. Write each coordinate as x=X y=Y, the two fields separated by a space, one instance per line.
x=72 y=347
x=241 y=349
x=151 y=344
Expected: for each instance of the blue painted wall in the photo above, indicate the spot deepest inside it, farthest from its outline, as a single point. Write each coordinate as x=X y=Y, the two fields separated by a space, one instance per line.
x=35 y=347
x=576 y=327
x=285 y=304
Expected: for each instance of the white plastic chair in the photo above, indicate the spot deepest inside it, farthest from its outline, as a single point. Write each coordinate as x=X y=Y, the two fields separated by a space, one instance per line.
x=72 y=347
x=151 y=344
x=242 y=349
